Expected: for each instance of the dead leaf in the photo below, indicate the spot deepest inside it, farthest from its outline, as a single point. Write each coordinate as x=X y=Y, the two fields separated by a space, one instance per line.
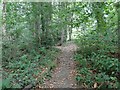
x=95 y=85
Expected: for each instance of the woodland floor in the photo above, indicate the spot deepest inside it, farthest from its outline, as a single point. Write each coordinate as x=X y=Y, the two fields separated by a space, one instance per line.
x=64 y=74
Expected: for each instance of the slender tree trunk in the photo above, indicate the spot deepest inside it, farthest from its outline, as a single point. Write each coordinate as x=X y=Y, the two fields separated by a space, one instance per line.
x=42 y=24
x=46 y=16
x=70 y=26
x=4 y=19
x=117 y=5
x=64 y=28
x=37 y=30
x=36 y=14
x=62 y=36
x=70 y=21
x=99 y=15
x=70 y=33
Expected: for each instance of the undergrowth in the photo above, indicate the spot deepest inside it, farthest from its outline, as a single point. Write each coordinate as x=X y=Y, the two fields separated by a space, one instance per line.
x=97 y=66
x=22 y=67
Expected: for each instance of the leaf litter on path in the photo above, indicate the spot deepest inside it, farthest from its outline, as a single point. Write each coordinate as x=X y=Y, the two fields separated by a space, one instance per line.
x=64 y=74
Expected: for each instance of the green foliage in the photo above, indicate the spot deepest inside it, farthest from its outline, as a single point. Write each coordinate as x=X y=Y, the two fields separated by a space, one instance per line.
x=98 y=69
x=97 y=42
x=31 y=29
x=27 y=67
x=6 y=83
x=95 y=63
x=27 y=44
x=96 y=55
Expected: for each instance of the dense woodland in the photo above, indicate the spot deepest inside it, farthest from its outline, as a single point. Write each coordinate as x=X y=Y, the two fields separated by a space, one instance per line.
x=31 y=30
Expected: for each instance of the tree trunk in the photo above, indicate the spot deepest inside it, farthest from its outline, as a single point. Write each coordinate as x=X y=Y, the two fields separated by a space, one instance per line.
x=117 y=5
x=36 y=14
x=99 y=15
x=37 y=30
x=70 y=21
x=62 y=36
x=4 y=19
x=70 y=26
x=46 y=15
x=70 y=33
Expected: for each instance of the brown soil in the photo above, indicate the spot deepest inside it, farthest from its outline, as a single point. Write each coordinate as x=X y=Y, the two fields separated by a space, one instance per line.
x=64 y=74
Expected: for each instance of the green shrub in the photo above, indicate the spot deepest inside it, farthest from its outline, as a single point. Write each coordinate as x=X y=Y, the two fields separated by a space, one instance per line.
x=27 y=67
x=95 y=65
x=97 y=42
x=98 y=69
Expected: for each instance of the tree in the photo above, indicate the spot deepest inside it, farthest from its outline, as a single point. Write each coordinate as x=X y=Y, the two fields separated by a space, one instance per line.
x=4 y=18
x=98 y=9
x=70 y=19
x=36 y=18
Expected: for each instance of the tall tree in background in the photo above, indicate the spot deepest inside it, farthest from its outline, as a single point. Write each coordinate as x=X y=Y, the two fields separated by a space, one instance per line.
x=46 y=17
x=42 y=15
x=36 y=26
x=98 y=9
x=4 y=18
x=63 y=15
x=70 y=19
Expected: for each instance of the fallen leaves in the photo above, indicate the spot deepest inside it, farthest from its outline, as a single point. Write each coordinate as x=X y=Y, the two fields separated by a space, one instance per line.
x=64 y=74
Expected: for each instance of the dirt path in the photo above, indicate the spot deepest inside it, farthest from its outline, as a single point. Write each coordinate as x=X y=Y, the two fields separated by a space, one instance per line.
x=64 y=75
